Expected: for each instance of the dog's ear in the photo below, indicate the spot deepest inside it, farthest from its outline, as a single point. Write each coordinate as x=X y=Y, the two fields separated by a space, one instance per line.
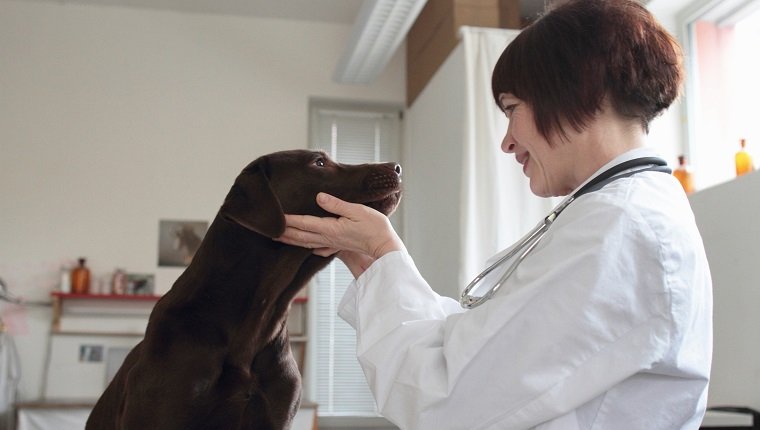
x=252 y=203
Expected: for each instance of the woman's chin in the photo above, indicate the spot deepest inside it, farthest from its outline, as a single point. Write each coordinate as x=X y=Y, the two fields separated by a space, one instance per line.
x=538 y=189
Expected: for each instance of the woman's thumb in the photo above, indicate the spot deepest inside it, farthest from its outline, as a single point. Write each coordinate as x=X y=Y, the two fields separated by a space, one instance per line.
x=333 y=204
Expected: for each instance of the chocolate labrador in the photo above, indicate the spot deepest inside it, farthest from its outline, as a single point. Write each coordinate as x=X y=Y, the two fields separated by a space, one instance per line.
x=216 y=353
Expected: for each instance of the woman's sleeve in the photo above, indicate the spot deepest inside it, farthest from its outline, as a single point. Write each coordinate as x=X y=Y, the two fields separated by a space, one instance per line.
x=579 y=323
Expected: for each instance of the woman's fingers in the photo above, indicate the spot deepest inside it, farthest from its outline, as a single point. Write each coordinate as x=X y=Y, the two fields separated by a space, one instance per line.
x=305 y=239
x=297 y=234
x=325 y=252
x=307 y=223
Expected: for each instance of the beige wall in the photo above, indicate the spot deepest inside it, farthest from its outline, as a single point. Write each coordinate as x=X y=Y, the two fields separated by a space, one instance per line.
x=114 y=118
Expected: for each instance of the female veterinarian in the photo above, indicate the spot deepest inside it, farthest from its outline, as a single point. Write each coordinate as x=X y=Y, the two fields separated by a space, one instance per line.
x=605 y=323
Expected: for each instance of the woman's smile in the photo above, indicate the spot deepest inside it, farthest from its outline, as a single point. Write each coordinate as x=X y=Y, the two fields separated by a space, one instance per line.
x=522 y=159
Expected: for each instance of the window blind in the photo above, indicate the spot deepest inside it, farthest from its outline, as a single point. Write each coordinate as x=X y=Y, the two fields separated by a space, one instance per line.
x=350 y=136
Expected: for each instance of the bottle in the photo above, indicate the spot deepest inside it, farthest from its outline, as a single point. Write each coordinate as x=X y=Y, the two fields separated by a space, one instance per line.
x=80 y=278
x=684 y=175
x=65 y=283
x=743 y=160
x=119 y=282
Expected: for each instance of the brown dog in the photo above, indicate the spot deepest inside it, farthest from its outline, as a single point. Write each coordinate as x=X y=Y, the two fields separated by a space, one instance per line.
x=216 y=353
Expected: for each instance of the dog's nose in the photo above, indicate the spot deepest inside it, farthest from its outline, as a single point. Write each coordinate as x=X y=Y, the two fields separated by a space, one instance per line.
x=398 y=169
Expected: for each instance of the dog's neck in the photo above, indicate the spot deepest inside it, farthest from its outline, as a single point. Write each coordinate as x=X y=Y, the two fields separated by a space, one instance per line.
x=271 y=272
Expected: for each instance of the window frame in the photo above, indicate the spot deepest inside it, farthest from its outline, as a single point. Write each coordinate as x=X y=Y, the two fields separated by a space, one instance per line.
x=360 y=109
x=686 y=19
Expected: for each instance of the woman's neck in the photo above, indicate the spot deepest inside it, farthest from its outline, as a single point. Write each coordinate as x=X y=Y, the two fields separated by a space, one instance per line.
x=607 y=137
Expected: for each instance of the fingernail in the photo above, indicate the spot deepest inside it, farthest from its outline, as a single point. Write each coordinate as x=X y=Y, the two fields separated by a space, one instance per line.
x=323 y=197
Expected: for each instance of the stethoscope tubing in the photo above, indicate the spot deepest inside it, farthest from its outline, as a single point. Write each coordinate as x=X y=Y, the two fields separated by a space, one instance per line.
x=525 y=245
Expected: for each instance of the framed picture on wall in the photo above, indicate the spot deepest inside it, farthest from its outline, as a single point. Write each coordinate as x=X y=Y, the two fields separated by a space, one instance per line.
x=141 y=283
x=178 y=241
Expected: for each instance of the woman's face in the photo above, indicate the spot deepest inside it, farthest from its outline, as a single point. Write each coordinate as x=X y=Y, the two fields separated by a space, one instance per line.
x=549 y=168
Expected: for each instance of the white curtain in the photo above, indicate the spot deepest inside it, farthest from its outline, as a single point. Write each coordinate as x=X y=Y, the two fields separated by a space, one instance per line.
x=497 y=205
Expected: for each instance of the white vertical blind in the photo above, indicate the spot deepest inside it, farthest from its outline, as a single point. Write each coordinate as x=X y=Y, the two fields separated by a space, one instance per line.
x=351 y=137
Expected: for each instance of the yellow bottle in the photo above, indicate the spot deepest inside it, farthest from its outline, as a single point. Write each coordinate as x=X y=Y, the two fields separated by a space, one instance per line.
x=684 y=175
x=743 y=160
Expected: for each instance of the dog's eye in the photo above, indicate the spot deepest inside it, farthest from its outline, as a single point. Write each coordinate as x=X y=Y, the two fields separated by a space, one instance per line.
x=320 y=162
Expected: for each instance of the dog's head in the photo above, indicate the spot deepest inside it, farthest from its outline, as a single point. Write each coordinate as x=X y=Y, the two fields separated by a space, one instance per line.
x=289 y=181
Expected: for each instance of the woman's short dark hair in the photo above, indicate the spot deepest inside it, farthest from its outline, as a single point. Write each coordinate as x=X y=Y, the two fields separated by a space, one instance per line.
x=567 y=62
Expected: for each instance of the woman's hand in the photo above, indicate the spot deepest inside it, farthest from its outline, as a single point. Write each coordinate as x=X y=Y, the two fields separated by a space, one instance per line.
x=359 y=229
x=356 y=263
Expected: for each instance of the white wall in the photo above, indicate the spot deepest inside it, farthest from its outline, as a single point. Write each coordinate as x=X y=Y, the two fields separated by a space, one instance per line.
x=114 y=118
x=727 y=217
x=434 y=135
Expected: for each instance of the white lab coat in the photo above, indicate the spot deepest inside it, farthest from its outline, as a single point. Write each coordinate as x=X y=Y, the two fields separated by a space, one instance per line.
x=606 y=325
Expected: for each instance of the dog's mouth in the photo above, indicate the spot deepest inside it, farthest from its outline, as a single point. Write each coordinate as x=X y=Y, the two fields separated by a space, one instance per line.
x=385 y=203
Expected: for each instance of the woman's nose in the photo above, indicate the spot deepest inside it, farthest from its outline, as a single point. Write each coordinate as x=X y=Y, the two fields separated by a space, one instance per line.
x=508 y=144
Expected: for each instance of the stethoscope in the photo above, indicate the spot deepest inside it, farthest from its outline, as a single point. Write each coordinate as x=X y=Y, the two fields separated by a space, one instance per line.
x=525 y=245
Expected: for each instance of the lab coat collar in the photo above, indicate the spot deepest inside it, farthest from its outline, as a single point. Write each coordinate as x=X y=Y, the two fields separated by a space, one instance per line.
x=622 y=158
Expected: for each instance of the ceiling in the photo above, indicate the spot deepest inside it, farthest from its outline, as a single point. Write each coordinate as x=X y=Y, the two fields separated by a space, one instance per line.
x=375 y=36
x=333 y=11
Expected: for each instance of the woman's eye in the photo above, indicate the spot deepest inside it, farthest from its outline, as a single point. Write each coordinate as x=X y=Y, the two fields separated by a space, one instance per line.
x=508 y=110
x=320 y=162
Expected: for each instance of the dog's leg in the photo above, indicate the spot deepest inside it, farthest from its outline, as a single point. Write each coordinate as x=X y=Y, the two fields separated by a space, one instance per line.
x=276 y=392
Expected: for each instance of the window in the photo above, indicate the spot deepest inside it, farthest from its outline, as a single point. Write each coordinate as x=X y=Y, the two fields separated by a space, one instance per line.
x=723 y=88
x=336 y=382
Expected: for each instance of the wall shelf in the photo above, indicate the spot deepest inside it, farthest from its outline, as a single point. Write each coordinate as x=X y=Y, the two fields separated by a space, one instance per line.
x=71 y=306
x=125 y=297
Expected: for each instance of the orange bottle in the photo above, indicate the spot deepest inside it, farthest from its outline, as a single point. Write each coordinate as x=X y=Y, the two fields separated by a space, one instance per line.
x=743 y=160
x=80 y=278
x=684 y=175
